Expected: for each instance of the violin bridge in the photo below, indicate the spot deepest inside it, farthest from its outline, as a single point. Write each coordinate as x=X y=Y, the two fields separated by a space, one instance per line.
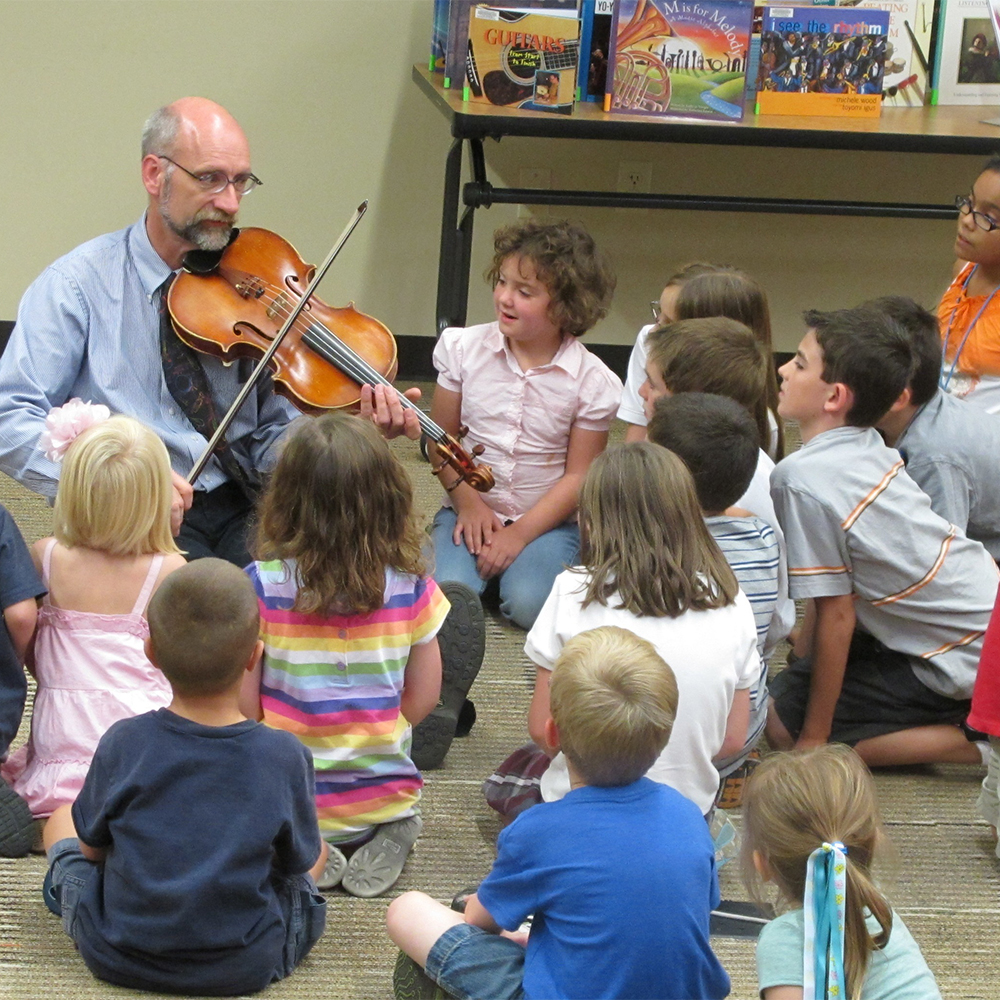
x=279 y=308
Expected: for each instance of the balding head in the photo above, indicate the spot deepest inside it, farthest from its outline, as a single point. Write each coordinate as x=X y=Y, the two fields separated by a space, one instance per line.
x=191 y=120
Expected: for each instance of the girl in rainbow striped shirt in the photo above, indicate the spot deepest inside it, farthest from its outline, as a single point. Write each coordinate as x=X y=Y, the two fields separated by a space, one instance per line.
x=349 y=620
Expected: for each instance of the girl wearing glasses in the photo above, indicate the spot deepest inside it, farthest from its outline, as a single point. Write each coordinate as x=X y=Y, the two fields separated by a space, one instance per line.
x=969 y=312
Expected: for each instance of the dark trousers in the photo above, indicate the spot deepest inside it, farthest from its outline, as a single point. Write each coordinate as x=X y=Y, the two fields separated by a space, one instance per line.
x=216 y=525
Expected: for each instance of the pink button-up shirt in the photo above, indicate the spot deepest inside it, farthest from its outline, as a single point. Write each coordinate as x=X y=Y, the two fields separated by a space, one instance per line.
x=523 y=418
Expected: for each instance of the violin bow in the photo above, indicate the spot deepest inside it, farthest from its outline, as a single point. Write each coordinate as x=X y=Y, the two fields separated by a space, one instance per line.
x=199 y=466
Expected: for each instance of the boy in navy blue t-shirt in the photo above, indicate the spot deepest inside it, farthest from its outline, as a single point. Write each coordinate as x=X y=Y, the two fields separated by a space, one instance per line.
x=187 y=862
x=618 y=876
x=19 y=588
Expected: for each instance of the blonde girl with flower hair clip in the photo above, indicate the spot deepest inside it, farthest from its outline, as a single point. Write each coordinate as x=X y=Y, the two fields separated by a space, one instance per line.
x=811 y=829
x=111 y=549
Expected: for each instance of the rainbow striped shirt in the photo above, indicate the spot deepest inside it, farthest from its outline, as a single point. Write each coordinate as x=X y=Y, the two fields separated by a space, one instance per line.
x=335 y=681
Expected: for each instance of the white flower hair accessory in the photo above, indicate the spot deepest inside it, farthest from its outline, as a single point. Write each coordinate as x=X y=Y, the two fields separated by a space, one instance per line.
x=64 y=423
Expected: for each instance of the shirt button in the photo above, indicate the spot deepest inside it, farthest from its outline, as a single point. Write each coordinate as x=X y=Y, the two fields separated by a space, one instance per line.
x=343 y=633
x=171 y=411
x=341 y=666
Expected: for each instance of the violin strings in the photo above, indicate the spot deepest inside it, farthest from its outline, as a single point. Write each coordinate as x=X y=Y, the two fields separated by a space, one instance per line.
x=326 y=343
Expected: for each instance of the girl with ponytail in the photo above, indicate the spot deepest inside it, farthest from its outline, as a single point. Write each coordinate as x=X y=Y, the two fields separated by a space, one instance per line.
x=811 y=828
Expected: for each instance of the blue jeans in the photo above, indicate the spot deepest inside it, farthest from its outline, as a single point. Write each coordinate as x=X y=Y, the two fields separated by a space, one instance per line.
x=525 y=583
x=469 y=962
x=303 y=907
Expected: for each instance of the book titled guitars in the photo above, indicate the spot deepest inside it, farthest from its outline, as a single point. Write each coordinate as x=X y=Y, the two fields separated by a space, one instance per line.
x=679 y=58
x=822 y=61
x=523 y=58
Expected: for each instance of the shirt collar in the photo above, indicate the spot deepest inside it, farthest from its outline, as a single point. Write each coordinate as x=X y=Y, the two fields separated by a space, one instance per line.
x=149 y=265
x=569 y=357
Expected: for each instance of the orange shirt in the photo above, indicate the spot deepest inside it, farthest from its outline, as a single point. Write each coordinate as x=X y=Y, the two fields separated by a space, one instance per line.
x=979 y=362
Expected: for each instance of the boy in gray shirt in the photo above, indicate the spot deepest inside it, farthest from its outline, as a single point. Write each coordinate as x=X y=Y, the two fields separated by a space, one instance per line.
x=951 y=449
x=864 y=542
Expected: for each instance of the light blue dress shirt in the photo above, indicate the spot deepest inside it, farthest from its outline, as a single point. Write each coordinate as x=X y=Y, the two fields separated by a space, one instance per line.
x=88 y=326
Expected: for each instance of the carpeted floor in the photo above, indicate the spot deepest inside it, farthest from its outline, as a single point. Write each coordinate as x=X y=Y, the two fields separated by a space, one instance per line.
x=944 y=880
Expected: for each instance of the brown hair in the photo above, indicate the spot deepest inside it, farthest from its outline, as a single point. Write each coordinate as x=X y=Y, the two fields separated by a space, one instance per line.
x=792 y=805
x=203 y=626
x=716 y=290
x=578 y=277
x=715 y=355
x=614 y=700
x=341 y=506
x=643 y=536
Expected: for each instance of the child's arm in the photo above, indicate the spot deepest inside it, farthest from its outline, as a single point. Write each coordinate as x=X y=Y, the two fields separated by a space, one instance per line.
x=476 y=522
x=782 y=993
x=20 y=619
x=737 y=724
x=477 y=915
x=835 y=619
x=421 y=682
x=249 y=700
x=550 y=511
x=540 y=711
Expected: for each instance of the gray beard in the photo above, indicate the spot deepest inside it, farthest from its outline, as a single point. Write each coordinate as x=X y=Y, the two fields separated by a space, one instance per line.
x=194 y=231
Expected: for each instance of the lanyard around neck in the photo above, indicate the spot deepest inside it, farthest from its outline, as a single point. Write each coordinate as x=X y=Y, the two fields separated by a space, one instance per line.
x=945 y=380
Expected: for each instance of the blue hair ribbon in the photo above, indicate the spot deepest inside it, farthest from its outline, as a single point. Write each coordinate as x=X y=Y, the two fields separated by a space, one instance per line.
x=823 y=976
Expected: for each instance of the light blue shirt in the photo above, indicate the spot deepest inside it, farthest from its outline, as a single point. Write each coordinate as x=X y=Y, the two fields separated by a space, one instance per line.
x=88 y=326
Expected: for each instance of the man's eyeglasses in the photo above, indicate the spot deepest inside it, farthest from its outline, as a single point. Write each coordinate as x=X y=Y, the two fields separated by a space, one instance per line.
x=964 y=205
x=217 y=181
x=655 y=306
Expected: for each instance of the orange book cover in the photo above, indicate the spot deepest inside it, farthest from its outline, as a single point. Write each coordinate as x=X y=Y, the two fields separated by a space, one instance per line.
x=822 y=61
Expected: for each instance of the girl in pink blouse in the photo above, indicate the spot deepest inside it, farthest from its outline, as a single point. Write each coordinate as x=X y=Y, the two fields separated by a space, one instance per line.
x=538 y=401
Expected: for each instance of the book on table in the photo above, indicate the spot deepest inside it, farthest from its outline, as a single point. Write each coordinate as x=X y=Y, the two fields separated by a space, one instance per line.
x=826 y=61
x=967 y=62
x=674 y=58
x=523 y=58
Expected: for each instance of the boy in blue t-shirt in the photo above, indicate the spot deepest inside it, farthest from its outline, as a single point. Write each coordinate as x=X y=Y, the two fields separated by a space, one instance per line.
x=718 y=441
x=187 y=863
x=20 y=586
x=618 y=876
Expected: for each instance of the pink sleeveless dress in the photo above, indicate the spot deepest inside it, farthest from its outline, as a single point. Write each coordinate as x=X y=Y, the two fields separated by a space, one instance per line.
x=91 y=672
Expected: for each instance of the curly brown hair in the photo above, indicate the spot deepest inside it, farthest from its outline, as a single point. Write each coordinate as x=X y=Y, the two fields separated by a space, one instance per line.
x=579 y=278
x=341 y=506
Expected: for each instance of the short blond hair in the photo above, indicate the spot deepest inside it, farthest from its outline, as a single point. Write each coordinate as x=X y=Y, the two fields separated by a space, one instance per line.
x=614 y=700
x=115 y=491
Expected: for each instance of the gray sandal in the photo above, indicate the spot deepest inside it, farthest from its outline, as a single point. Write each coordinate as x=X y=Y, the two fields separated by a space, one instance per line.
x=377 y=865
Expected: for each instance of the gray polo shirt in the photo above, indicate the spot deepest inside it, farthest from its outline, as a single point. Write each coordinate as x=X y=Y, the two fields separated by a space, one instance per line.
x=856 y=523
x=952 y=452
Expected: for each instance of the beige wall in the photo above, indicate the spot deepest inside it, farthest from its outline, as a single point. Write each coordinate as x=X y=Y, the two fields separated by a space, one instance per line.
x=323 y=90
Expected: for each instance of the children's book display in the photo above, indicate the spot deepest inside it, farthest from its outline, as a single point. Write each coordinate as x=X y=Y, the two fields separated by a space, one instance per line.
x=439 y=36
x=907 y=77
x=967 y=65
x=679 y=58
x=595 y=46
x=822 y=61
x=523 y=58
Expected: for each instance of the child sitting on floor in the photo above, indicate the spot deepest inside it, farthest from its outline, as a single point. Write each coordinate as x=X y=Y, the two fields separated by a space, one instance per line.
x=717 y=440
x=538 y=401
x=864 y=542
x=19 y=588
x=186 y=863
x=112 y=549
x=720 y=356
x=703 y=291
x=618 y=877
x=648 y=565
x=349 y=620
x=811 y=828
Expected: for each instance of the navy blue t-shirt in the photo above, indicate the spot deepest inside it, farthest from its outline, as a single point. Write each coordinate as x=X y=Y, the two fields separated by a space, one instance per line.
x=18 y=582
x=196 y=820
x=621 y=882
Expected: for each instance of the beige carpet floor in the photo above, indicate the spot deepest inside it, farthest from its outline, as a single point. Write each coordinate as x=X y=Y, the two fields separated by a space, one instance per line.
x=944 y=879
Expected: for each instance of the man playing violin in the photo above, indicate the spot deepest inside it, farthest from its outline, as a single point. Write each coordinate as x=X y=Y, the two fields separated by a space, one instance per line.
x=93 y=326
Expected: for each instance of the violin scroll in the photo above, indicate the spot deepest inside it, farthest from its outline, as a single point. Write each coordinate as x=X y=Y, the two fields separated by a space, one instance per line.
x=455 y=457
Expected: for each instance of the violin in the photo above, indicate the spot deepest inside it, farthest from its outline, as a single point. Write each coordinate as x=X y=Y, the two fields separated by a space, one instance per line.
x=254 y=300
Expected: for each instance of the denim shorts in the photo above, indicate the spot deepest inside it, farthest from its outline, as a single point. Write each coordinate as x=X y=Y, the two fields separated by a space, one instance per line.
x=304 y=909
x=469 y=962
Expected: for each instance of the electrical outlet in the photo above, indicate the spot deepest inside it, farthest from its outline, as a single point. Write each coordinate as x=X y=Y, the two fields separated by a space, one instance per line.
x=539 y=178
x=634 y=177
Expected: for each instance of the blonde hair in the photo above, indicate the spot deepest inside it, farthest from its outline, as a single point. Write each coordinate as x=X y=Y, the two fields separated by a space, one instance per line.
x=614 y=700
x=792 y=805
x=715 y=355
x=643 y=536
x=341 y=506
x=115 y=491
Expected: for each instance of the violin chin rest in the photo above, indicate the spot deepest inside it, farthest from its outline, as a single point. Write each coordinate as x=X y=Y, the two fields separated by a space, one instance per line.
x=206 y=261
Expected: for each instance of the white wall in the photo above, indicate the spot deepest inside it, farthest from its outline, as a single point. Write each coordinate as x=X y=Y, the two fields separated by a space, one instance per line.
x=323 y=89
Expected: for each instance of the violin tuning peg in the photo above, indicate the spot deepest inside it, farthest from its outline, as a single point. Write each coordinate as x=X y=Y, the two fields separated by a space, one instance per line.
x=478 y=449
